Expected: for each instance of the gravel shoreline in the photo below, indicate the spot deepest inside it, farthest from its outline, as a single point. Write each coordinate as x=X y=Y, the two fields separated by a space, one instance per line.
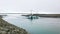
x=7 y=28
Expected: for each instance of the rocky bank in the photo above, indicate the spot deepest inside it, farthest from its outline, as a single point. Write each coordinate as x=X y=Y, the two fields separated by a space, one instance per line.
x=7 y=28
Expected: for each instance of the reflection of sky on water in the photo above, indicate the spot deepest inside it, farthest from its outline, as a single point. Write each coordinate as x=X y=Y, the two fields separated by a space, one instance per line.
x=37 y=26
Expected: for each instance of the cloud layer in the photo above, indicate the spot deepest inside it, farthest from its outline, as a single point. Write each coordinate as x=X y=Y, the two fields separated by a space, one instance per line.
x=44 y=6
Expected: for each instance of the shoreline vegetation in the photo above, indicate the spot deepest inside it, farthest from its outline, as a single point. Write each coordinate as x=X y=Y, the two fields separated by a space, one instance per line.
x=45 y=15
x=7 y=28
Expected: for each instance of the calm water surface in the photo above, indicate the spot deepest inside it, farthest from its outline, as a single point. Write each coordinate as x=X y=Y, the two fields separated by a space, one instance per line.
x=36 y=26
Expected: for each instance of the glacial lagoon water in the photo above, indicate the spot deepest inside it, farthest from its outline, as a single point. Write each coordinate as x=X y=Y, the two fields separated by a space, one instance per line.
x=35 y=26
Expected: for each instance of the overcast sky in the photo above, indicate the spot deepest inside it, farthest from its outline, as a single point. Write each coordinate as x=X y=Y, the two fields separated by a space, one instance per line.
x=42 y=6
